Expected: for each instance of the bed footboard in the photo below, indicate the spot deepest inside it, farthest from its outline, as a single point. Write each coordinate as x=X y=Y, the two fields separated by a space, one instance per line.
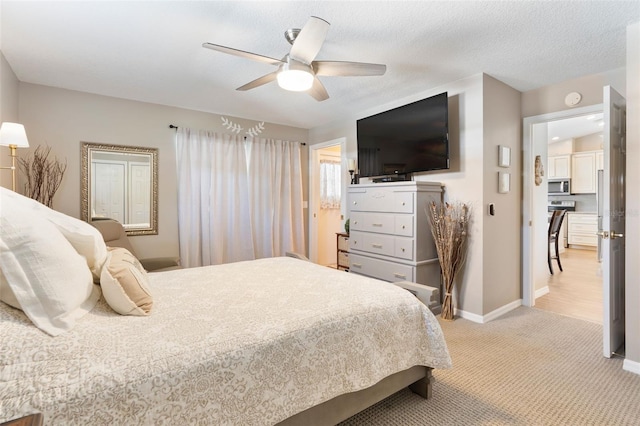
x=340 y=408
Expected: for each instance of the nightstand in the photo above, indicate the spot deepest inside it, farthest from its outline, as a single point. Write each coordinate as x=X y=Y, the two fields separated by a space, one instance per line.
x=342 y=244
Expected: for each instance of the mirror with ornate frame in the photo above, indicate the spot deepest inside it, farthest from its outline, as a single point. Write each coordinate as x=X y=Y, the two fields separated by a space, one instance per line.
x=120 y=182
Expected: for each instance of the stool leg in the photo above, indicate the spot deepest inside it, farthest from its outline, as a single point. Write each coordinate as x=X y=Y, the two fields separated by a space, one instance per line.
x=558 y=255
x=549 y=257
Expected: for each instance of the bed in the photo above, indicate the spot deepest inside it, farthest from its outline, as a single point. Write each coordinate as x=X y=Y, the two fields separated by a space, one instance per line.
x=261 y=342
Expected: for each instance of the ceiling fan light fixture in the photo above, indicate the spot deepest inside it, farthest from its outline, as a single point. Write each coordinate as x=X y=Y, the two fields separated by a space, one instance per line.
x=295 y=76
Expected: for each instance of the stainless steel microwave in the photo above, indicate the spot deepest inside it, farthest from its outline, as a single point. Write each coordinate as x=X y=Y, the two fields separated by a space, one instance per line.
x=559 y=186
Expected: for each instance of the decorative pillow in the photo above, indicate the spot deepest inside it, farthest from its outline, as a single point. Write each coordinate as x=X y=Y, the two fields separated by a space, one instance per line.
x=84 y=238
x=124 y=283
x=46 y=277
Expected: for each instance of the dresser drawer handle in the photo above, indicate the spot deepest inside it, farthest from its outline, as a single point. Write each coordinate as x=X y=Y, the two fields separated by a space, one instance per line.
x=402 y=249
x=403 y=203
x=356 y=265
x=403 y=226
x=378 y=246
x=397 y=275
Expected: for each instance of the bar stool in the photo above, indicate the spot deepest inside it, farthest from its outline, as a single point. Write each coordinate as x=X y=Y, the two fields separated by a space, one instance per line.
x=554 y=230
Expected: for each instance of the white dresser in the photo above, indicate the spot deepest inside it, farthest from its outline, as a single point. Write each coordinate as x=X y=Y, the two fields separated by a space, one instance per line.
x=390 y=236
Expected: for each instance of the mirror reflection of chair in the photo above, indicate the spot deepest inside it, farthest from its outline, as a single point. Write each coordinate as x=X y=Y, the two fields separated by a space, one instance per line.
x=555 y=223
x=114 y=235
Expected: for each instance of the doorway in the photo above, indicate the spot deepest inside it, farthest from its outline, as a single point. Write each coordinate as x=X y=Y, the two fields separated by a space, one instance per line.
x=325 y=221
x=611 y=221
x=574 y=154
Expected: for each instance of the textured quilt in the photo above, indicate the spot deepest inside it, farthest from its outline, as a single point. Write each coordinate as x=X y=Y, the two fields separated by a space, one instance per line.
x=247 y=343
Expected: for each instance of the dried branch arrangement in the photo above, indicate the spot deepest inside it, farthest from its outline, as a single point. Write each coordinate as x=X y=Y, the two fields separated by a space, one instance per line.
x=43 y=175
x=449 y=226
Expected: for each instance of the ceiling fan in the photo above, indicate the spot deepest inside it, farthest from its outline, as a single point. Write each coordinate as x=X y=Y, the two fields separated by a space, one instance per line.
x=297 y=70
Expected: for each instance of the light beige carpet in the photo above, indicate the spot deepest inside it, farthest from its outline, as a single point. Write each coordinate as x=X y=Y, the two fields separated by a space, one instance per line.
x=529 y=367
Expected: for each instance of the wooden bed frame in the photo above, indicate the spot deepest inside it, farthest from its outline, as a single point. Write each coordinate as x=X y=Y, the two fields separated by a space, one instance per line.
x=332 y=412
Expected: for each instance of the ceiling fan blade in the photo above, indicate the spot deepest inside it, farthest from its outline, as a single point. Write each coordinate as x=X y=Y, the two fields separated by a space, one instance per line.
x=242 y=53
x=338 y=68
x=318 y=91
x=268 y=78
x=310 y=39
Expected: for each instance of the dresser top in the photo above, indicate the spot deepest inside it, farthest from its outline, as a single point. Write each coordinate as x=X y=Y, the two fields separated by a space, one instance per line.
x=404 y=185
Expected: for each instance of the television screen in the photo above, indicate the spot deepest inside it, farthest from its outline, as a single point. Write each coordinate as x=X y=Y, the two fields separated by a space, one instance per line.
x=411 y=138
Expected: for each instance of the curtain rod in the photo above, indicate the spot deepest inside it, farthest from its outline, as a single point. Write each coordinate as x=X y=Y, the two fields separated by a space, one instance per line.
x=171 y=126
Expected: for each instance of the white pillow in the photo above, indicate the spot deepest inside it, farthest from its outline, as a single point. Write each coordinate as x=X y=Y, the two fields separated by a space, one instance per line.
x=84 y=238
x=50 y=281
x=125 y=284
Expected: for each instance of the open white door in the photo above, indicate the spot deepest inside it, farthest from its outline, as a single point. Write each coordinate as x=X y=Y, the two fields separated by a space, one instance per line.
x=611 y=235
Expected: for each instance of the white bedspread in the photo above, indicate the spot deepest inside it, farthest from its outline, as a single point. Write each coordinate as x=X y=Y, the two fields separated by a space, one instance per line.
x=247 y=343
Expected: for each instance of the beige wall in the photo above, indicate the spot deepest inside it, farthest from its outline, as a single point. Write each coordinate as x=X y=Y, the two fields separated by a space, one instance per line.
x=632 y=273
x=464 y=181
x=551 y=98
x=502 y=243
x=63 y=118
x=8 y=112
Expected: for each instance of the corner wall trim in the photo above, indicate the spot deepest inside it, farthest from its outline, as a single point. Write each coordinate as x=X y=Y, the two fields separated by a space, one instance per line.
x=481 y=319
x=631 y=366
x=542 y=291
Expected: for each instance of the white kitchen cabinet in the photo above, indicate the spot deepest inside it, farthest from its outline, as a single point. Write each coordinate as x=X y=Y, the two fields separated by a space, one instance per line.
x=583 y=228
x=599 y=160
x=583 y=173
x=559 y=167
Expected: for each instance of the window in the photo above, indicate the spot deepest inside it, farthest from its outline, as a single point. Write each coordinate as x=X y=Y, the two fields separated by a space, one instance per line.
x=330 y=184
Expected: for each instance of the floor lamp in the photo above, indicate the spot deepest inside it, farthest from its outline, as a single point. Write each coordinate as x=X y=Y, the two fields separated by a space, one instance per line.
x=14 y=136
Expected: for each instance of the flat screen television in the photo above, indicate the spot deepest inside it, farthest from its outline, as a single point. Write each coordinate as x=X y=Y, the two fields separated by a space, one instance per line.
x=404 y=140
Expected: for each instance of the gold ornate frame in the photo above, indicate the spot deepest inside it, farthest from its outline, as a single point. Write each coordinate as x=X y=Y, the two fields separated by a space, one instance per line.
x=87 y=148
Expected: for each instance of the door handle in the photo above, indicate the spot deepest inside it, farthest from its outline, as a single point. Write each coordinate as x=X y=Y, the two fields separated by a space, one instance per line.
x=613 y=235
x=603 y=234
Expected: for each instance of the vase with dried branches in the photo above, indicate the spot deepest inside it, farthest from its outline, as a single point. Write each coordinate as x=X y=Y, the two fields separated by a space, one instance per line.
x=449 y=226
x=44 y=175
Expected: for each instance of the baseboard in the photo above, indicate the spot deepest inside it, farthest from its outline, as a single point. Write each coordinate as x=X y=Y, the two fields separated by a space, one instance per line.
x=481 y=319
x=541 y=291
x=631 y=366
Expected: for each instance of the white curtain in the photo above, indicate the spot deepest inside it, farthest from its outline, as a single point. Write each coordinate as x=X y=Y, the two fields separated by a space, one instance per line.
x=275 y=187
x=237 y=201
x=330 y=183
x=214 y=222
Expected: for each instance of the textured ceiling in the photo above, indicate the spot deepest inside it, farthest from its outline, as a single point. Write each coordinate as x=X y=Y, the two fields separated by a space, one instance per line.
x=151 y=51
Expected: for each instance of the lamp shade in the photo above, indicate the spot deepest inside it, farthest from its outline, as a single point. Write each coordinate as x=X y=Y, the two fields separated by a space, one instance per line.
x=13 y=134
x=295 y=76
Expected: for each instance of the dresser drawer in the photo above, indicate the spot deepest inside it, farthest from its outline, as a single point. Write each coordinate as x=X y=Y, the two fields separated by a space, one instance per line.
x=343 y=259
x=383 y=223
x=583 y=218
x=343 y=242
x=373 y=243
x=373 y=200
x=386 y=245
x=583 y=228
x=584 y=240
x=381 y=269
x=404 y=225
